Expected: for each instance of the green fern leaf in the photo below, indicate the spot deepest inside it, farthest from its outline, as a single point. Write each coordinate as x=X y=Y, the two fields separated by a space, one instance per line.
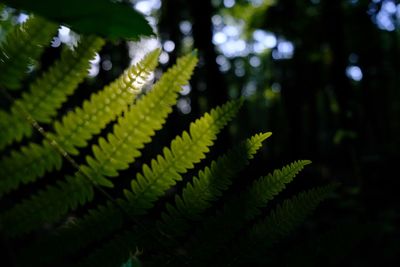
x=278 y=224
x=75 y=128
x=91 y=227
x=221 y=228
x=71 y=238
x=259 y=238
x=31 y=161
x=46 y=206
x=211 y=182
x=138 y=125
x=139 y=121
x=48 y=92
x=23 y=46
x=287 y=216
x=185 y=150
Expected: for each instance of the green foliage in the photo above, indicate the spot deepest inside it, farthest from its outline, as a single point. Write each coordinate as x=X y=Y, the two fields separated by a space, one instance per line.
x=48 y=92
x=75 y=128
x=281 y=221
x=101 y=17
x=22 y=47
x=131 y=132
x=138 y=124
x=209 y=186
x=185 y=150
x=278 y=224
x=220 y=229
x=132 y=219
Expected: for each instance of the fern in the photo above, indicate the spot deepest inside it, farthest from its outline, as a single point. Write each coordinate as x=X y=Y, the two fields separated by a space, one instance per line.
x=120 y=150
x=75 y=128
x=82 y=232
x=113 y=230
x=279 y=223
x=220 y=229
x=283 y=220
x=138 y=125
x=23 y=46
x=208 y=187
x=48 y=92
x=184 y=152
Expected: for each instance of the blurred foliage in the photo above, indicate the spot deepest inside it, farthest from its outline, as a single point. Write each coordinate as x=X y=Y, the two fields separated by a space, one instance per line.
x=102 y=17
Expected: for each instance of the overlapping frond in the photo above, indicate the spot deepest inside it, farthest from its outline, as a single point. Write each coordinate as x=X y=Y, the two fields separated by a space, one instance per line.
x=69 y=239
x=211 y=182
x=221 y=228
x=23 y=166
x=138 y=124
x=76 y=128
x=177 y=159
x=287 y=216
x=130 y=134
x=49 y=91
x=185 y=150
x=46 y=206
x=22 y=47
x=110 y=232
x=258 y=238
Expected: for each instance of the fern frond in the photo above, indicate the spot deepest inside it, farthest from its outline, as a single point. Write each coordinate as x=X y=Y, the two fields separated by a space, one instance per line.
x=112 y=155
x=259 y=238
x=287 y=216
x=76 y=128
x=69 y=239
x=185 y=150
x=138 y=125
x=101 y=223
x=221 y=228
x=22 y=47
x=278 y=224
x=211 y=182
x=266 y=188
x=46 y=206
x=49 y=91
x=23 y=166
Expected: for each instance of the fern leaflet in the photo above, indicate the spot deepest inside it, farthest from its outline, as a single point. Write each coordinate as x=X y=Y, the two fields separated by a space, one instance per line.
x=92 y=225
x=168 y=171
x=289 y=214
x=49 y=91
x=221 y=228
x=279 y=223
x=76 y=128
x=22 y=46
x=120 y=150
x=211 y=182
x=138 y=125
x=185 y=150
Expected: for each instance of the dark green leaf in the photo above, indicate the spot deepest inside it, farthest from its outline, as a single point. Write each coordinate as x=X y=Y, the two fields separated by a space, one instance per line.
x=101 y=17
